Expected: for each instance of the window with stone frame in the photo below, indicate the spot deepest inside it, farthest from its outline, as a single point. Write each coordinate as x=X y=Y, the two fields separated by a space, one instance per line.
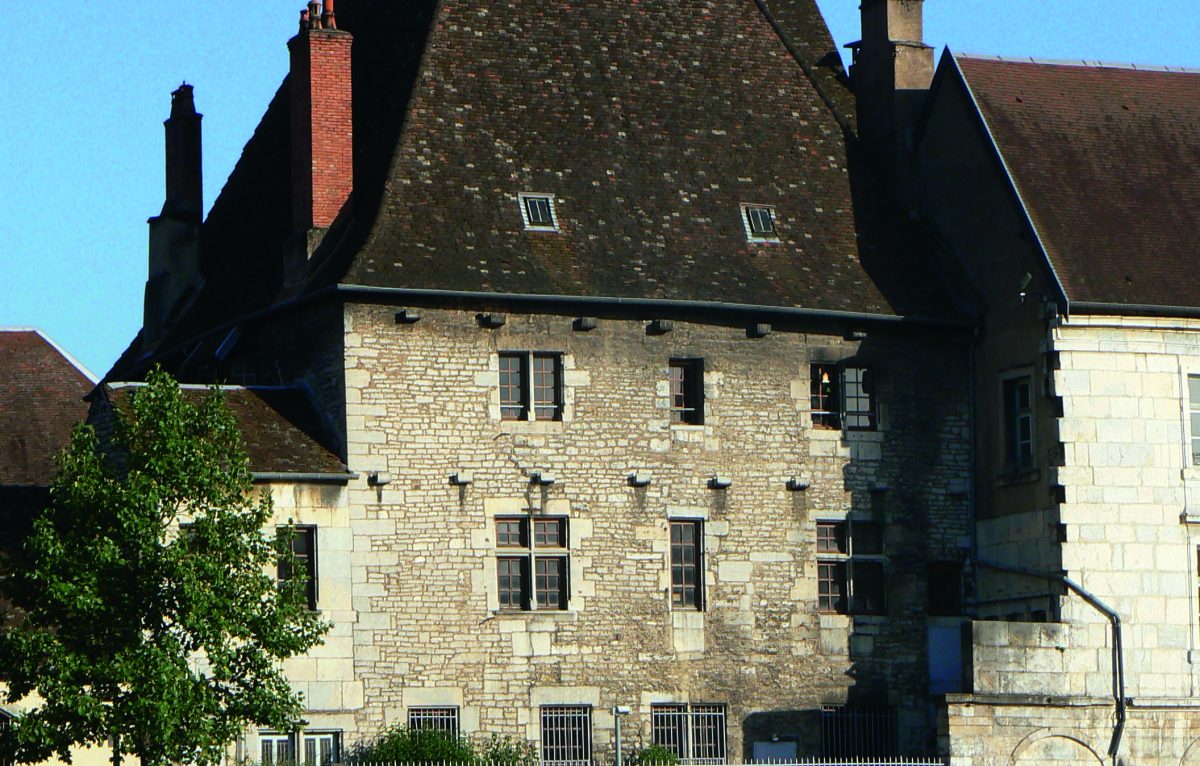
x=1018 y=425
x=566 y=735
x=842 y=396
x=443 y=719
x=687 y=564
x=695 y=733
x=532 y=563
x=851 y=567
x=318 y=748
x=304 y=553
x=530 y=385
x=1194 y=412
x=687 y=391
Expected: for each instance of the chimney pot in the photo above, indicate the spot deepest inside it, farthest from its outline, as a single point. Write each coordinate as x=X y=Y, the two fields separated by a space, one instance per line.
x=328 y=19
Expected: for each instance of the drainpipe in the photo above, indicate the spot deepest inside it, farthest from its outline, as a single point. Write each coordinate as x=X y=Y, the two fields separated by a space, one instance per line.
x=1118 y=651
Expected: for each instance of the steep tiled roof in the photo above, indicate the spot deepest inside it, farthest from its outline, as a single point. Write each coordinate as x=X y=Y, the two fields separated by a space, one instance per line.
x=41 y=400
x=649 y=123
x=1107 y=161
x=281 y=431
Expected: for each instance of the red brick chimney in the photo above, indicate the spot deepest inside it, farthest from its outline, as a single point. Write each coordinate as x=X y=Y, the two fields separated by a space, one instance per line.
x=322 y=129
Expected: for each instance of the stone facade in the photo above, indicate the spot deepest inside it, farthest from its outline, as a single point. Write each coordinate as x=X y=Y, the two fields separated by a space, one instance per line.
x=408 y=568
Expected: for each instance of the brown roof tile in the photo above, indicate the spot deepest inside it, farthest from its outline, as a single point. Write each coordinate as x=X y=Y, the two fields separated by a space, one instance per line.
x=281 y=431
x=1107 y=160
x=41 y=400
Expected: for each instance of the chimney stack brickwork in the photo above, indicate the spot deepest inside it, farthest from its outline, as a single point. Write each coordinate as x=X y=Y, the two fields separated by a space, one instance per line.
x=322 y=121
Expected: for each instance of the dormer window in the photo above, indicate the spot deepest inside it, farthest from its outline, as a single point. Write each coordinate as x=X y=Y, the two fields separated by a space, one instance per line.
x=759 y=221
x=537 y=212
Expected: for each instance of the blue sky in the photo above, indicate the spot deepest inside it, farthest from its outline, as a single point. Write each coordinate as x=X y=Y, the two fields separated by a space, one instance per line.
x=87 y=86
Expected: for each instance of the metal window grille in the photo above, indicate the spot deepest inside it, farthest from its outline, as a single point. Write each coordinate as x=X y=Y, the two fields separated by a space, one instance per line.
x=304 y=553
x=566 y=735
x=436 y=718
x=686 y=590
x=859 y=390
x=512 y=387
x=687 y=391
x=547 y=402
x=825 y=396
x=1194 y=410
x=695 y=733
x=858 y=732
x=1018 y=422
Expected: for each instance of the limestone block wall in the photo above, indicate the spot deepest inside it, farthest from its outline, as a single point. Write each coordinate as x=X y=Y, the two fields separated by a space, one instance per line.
x=422 y=403
x=1042 y=659
x=1129 y=486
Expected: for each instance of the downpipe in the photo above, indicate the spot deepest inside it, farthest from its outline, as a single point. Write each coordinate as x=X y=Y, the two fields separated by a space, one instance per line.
x=1118 y=649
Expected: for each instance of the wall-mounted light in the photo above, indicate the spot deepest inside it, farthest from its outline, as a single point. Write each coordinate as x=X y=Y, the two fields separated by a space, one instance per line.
x=379 y=478
x=541 y=478
x=462 y=478
x=720 y=482
x=639 y=479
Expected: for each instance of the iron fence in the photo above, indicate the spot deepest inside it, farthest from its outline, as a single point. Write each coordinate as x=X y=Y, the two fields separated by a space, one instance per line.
x=807 y=761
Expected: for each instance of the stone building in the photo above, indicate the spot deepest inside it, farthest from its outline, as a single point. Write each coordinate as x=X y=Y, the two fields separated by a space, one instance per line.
x=1065 y=199
x=643 y=393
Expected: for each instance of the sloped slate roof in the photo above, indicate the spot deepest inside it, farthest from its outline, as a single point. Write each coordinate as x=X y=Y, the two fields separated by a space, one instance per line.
x=1107 y=161
x=41 y=400
x=650 y=123
x=281 y=431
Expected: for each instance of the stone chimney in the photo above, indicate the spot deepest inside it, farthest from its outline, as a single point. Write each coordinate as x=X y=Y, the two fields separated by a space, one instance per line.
x=891 y=73
x=174 y=276
x=322 y=125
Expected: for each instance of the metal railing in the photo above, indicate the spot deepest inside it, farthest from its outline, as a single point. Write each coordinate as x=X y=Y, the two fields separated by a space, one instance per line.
x=806 y=761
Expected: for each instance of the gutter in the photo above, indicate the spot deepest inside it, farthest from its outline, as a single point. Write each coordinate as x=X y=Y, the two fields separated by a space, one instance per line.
x=1135 y=309
x=1118 y=650
x=260 y=477
x=649 y=308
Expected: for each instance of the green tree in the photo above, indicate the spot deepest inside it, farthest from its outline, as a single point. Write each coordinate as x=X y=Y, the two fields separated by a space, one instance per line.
x=163 y=640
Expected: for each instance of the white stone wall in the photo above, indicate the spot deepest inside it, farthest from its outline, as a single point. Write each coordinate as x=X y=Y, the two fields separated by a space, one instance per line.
x=1130 y=488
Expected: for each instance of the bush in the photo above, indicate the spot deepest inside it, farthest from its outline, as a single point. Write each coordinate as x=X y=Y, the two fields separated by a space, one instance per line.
x=402 y=744
x=656 y=754
x=510 y=751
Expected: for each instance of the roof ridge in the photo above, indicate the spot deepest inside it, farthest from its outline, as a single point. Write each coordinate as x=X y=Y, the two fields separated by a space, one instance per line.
x=1080 y=63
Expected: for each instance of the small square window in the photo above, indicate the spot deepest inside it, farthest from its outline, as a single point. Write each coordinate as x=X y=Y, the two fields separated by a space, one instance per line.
x=759 y=221
x=444 y=719
x=687 y=391
x=532 y=572
x=538 y=213
x=842 y=396
x=530 y=383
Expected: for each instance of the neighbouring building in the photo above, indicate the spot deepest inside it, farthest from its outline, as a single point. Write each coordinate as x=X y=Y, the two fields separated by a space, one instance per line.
x=1066 y=200
x=642 y=391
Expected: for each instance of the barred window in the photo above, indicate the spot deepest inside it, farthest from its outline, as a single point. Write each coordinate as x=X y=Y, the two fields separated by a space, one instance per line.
x=687 y=572
x=695 y=733
x=435 y=718
x=851 y=567
x=530 y=383
x=532 y=570
x=566 y=735
x=858 y=732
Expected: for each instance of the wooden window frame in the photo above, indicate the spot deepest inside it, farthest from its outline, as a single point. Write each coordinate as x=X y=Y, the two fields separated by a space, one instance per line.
x=308 y=559
x=686 y=377
x=1020 y=448
x=530 y=397
x=683 y=594
x=842 y=397
x=851 y=579
x=538 y=211
x=534 y=591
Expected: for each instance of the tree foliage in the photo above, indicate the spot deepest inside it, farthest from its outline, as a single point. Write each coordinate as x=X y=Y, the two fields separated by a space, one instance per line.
x=404 y=744
x=164 y=640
